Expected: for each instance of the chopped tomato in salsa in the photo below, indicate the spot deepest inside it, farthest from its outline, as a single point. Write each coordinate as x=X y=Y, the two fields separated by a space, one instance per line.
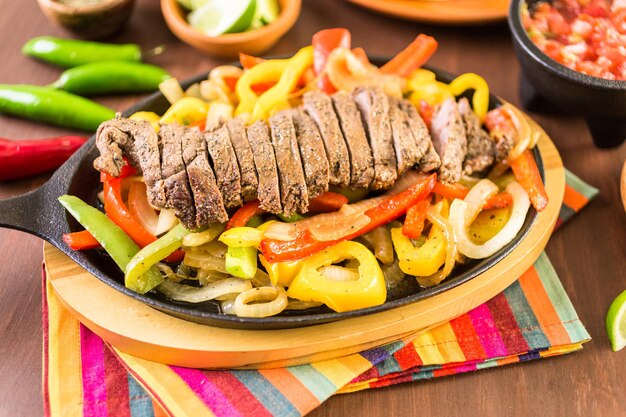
x=588 y=36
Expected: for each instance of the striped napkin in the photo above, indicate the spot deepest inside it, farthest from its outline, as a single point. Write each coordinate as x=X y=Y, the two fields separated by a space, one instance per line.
x=532 y=319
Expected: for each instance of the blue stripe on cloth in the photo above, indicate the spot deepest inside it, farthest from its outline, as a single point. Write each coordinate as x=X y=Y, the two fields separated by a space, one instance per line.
x=525 y=317
x=139 y=401
x=315 y=381
x=267 y=394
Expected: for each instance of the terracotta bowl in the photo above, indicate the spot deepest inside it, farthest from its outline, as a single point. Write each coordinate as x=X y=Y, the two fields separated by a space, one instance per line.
x=93 y=21
x=254 y=42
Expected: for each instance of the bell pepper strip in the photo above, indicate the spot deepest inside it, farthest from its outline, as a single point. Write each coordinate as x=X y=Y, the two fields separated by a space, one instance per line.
x=281 y=273
x=459 y=191
x=241 y=236
x=244 y=214
x=361 y=55
x=420 y=261
x=249 y=61
x=426 y=111
x=527 y=174
x=148 y=116
x=324 y=42
x=424 y=86
x=147 y=257
x=241 y=262
x=480 y=99
x=186 y=111
x=389 y=209
x=311 y=284
x=115 y=242
x=82 y=240
x=267 y=71
x=327 y=202
x=290 y=218
x=412 y=57
x=295 y=68
x=415 y=218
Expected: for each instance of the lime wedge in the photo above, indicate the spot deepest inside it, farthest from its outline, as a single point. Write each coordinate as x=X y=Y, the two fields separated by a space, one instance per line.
x=266 y=12
x=616 y=322
x=216 y=17
x=186 y=4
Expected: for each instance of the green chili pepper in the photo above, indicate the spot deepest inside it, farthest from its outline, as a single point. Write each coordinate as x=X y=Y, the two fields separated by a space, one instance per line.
x=68 y=53
x=111 y=77
x=241 y=262
x=291 y=218
x=112 y=238
x=52 y=106
x=146 y=258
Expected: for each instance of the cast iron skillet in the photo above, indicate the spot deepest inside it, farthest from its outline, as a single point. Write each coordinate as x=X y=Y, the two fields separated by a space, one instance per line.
x=40 y=214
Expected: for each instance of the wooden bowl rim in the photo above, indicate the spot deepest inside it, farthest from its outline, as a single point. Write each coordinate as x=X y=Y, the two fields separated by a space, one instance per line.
x=67 y=9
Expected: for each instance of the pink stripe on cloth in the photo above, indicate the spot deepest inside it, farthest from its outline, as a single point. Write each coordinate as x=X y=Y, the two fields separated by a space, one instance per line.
x=94 y=389
x=487 y=331
x=207 y=391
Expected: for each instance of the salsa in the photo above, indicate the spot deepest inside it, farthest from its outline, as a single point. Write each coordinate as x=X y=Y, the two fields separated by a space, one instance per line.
x=588 y=36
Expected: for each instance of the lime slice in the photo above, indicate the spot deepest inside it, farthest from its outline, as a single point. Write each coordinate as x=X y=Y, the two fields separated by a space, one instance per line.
x=266 y=12
x=616 y=322
x=216 y=17
x=186 y=4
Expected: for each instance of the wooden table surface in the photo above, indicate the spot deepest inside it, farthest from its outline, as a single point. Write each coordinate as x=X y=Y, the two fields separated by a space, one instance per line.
x=588 y=253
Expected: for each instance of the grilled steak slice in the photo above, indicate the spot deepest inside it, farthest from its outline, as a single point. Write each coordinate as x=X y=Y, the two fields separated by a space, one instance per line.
x=480 y=148
x=243 y=151
x=374 y=107
x=361 y=161
x=430 y=161
x=268 y=192
x=320 y=107
x=404 y=142
x=504 y=145
x=418 y=128
x=449 y=140
x=224 y=163
x=292 y=183
x=314 y=162
x=176 y=184
x=207 y=197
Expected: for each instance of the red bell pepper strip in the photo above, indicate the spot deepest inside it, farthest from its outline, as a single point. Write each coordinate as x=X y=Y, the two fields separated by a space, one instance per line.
x=415 y=218
x=361 y=55
x=459 y=191
x=527 y=174
x=391 y=208
x=80 y=240
x=324 y=42
x=426 y=111
x=23 y=158
x=412 y=57
x=249 y=61
x=244 y=214
x=327 y=202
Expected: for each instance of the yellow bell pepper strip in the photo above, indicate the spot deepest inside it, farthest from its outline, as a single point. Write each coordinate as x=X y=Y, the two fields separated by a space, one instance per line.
x=112 y=238
x=241 y=237
x=281 y=273
x=424 y=86
x=312 y=284
x=147 y=257
x=186 y=111
x=241 y=262
x=488 y=223
x=148 y=116
x=296 y=66
x=264 y=72
x=420 y=261
x=389 y=209
x=480 y=99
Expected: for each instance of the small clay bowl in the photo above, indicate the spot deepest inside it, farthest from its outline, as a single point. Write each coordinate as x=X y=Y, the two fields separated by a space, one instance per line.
x=90 y=21
x=228 y=46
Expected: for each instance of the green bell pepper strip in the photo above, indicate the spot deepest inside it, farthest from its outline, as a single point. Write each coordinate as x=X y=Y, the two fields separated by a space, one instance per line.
x=112 y=238
x=68 y=53
x=291 y=218
x=111 y=77
x=147 y=257
x=241 y=262
x=53 y=106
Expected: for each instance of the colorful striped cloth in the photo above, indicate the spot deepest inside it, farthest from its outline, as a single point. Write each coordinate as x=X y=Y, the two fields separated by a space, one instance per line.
x=532 y=319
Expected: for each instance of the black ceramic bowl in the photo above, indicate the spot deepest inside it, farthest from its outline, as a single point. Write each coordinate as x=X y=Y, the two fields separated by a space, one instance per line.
x=602 y=102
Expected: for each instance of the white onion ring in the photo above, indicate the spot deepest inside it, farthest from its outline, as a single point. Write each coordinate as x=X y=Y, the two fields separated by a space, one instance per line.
x=275 y=301
x=187 y=293
x=434 y=216
x=339 y=273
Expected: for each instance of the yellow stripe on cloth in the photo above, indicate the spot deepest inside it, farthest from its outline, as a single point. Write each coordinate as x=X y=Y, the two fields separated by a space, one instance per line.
x=438 y=346
x=343 y=370
x=64 y=359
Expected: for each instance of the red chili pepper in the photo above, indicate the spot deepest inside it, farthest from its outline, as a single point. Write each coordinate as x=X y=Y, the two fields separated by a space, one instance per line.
x=249 y=61
x=527 y=174
x=412 y=57
x=327 y=202
x=391 y=208
x=244 y=214
x=459 y=191
x=324 y=42
x=23 y=158
x=415 y=218
x=80 y=240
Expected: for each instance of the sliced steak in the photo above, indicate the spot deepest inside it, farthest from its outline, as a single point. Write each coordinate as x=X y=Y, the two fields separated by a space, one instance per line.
x=418 y=128
x=480 y=148
x=268 y=192
x=320 y=107
x=361 y=161
x=504 y=145
x=207 y=197
x=449 y=139
x=314 y=161
x=176 y=183
x=430 y=161
x=374 y=107
x=295 y=197
x=407 y=153
x=249 y=183
x=225 y=164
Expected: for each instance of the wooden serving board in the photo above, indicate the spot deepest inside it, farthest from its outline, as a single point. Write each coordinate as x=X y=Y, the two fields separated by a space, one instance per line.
x=142 y=331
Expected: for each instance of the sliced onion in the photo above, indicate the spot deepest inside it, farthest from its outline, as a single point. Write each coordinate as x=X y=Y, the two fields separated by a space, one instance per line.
x=172 y=90
x=433 y=214
x=187 y=293
x=167 y=221
x=225 y=71
x=198 y=259
x=380 y=241
x=228 y=306
x=193 y=91
x=268 y=301
x=208 y=276
x=215 y=248
x=293 y=304
x=477 y=197
x=218 y=112
x=339 y=229
x=168 y=272
x=261 y=279
x=459 y=213
x=392 y=273
x=339 y=273
x=200 y=238
x=140 y=209
x=282 y=231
